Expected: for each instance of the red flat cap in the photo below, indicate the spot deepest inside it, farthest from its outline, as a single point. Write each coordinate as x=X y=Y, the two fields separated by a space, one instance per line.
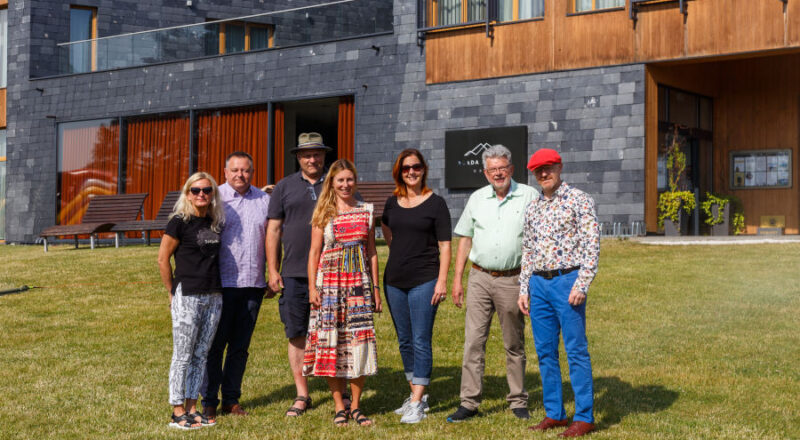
x=542 y=157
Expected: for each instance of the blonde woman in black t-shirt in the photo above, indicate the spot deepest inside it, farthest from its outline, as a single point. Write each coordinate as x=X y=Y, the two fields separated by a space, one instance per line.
x=416 y=225
x=192 y=237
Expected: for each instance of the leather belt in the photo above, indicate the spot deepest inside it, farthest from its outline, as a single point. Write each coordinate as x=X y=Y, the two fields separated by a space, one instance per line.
x=497 y=273
x=550 y=274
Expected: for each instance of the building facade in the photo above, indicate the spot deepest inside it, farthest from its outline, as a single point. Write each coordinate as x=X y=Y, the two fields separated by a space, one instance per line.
x=149 y=91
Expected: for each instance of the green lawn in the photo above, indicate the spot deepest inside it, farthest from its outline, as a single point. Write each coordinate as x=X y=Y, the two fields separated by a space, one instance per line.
x=686 y=342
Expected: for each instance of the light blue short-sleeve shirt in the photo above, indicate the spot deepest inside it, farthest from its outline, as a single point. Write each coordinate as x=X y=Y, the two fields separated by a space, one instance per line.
x=495 y=226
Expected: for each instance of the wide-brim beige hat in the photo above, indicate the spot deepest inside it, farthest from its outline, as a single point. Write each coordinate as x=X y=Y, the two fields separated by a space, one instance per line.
x=310 y=141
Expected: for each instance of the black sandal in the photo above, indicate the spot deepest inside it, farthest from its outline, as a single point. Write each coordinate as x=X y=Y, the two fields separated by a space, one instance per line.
x=340 y=418
x=297 y=412
x=359 y=417
x=205 y=421
x=347 y=401
x=188 y=422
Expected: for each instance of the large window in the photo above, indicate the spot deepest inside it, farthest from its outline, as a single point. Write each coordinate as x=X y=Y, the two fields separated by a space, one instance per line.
x=591 y=5
x=237 y=36
x=88 y=165
x=455 y=12
x=3 y=47
x=82 y=27
x=2 y=184
x=509 y=10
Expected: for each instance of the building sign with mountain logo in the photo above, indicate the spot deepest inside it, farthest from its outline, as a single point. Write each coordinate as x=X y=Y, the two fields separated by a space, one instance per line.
x=463 y=149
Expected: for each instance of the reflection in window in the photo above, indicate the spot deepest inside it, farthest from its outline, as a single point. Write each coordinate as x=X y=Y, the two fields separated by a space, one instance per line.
x=234 y=37
x=3 y=49
x=508 y=10
x=81 y=27
x=88 y=165
x=2 y=184
x=450 y=12
x=591 y=5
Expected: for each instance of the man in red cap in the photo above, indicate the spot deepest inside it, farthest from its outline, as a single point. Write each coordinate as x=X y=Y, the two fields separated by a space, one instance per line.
x=560 y=249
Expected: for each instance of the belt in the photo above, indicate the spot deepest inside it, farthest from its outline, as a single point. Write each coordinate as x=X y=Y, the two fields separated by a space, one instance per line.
x=550 y=274
x=497 y=273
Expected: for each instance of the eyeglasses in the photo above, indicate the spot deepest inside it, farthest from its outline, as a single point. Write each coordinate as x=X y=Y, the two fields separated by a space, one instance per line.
x=206 y=190
x=503 y=169
x=415 y=167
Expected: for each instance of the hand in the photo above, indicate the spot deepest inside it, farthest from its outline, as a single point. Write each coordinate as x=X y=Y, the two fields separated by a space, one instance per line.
x=439 y=292
x=458 y=293
x=522 y=302
x=576 y=297
x=313 y=297
x=275 y=282
x=269 y=293
x=376 y=300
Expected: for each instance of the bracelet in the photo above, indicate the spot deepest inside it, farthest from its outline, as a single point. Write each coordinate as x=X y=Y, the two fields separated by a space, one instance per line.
x=375 y=286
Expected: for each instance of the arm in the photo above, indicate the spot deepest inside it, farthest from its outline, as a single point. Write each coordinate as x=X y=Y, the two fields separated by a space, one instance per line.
x=526 y=268
x=464 y=246
x=165 y=251
x=440 y=291
x=589 y=235
x=387 y=234
x=314 y=252
x=372 y=255
x=273 y=253
x=269 y=293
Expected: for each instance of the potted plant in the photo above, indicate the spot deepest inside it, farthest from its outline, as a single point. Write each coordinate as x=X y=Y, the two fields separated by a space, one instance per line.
x=724 y=214
x=673 y=203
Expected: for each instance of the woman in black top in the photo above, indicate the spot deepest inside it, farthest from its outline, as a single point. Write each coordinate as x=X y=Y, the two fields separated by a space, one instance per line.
x=192 y=237
x=416 y=225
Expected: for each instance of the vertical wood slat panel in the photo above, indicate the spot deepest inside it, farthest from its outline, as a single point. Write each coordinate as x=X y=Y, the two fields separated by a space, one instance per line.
x=279 y=142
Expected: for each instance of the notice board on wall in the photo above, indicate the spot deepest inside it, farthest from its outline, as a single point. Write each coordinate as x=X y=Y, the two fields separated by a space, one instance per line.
x=463 y=167
x=761 y=169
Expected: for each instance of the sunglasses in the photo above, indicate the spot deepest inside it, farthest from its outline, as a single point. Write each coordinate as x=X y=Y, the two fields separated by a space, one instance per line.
x=206 y=190
x=415 y=167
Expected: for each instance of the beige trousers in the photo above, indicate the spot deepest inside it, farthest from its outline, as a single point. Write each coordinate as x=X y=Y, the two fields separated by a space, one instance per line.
x=485 y=296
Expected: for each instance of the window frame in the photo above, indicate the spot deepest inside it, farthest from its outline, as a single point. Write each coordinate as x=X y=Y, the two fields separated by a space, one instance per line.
x=573 y=8
x=92 y=33
x=222 y=34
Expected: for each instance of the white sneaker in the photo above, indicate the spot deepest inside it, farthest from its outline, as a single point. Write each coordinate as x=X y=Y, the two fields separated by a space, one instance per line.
x=414 y=414
x=402 y=410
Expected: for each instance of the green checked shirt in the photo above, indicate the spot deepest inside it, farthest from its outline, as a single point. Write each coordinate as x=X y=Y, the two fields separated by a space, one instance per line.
x=496 y=226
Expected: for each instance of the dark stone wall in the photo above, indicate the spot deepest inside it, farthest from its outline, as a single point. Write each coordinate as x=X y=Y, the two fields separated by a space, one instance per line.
x=595 y=117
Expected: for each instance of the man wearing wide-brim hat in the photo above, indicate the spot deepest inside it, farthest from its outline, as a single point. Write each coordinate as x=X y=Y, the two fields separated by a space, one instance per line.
x=560 y=249
x=290 y=210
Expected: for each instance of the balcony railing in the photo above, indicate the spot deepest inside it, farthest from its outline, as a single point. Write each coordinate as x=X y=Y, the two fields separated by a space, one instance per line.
x=331 y=21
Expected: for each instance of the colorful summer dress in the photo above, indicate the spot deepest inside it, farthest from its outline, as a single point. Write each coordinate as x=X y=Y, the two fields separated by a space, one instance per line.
x=341 y=334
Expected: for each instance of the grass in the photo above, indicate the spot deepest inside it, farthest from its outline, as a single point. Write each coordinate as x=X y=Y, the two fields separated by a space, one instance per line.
x=686 y=342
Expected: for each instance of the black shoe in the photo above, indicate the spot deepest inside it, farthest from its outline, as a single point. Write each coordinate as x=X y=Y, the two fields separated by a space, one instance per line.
x=462 y=414
x=521 y=413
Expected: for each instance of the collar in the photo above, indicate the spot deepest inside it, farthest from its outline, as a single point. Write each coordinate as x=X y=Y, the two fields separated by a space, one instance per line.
x=511 y=191
x=560 y=193
x=304 y=180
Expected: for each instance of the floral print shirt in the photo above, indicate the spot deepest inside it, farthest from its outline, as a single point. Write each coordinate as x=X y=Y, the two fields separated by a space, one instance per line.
x=561 y=233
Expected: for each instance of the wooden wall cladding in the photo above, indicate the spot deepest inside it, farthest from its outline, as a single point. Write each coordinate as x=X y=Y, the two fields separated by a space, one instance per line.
x=562 y=41
x=2 y=108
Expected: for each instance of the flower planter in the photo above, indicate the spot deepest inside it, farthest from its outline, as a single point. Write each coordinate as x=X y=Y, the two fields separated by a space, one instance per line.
x=676 y=229
x=724 y=228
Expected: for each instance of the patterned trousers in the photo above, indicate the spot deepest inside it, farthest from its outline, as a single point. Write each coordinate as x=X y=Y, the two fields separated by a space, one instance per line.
x=194 y=323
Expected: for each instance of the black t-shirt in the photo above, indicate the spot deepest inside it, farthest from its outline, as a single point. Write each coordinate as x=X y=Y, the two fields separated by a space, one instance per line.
x=197 y=255
x=416 y=233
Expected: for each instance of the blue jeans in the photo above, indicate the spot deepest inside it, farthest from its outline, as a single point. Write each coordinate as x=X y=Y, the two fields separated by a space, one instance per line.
x=552 y=314
x=413 y=316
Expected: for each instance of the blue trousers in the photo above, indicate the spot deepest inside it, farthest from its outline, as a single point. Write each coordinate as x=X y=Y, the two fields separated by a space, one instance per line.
x=552 y=314
x=413 y=316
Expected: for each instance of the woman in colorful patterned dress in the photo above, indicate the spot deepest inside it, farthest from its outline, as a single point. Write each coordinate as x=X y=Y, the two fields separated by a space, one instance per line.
x=343 y=292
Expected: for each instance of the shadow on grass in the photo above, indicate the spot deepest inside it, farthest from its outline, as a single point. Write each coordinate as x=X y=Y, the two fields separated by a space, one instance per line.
x=392 y=389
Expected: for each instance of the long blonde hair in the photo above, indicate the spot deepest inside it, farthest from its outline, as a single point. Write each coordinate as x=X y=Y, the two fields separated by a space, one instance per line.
x=185 y=210
x=326 y=204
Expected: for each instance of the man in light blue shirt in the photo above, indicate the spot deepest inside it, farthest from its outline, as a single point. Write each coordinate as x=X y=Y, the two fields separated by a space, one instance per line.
x=491 y=235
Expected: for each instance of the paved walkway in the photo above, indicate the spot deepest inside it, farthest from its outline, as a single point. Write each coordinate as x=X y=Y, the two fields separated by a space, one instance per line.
x=733 y=239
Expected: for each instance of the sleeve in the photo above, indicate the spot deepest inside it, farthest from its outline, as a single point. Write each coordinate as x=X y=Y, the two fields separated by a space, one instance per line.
x=387 y=207
x=442 y=222
x=589 y=234
x=466 y=223
x=371 y=209
x=275 y=207
x=175 y=228
x=526 y=267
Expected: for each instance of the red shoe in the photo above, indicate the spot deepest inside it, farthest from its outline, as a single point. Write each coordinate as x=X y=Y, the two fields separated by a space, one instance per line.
x=577 y=429
x=548 y=423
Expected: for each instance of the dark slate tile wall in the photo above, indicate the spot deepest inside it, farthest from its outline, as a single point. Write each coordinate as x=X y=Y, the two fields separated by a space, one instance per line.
x=595 y=117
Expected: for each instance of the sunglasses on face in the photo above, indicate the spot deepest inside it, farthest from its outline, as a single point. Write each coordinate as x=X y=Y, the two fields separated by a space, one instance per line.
x=206 y=190
x=415 y=167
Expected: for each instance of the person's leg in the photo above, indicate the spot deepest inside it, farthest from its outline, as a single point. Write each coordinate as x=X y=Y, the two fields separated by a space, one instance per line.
x=423 y=315
x=245 y=313
x=573 y=328
x=477 y=322
x=214 y=372
x=183 y=336
x=357 y=389
x=397 y=300
x=505 y=295
x=337 y=386
x=295 y=311
x=545 y=328
x=208 y=315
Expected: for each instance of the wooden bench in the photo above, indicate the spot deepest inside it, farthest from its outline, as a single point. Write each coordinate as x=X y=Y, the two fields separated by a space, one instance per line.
x=101 y=215
x=376 y=193
x=147 y=226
